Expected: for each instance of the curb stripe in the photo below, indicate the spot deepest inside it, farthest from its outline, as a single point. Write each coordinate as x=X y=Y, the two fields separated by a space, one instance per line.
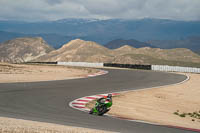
x=83 y=100
x=100 y=95
x=91 y=98
x=79 y=106
x=115 y=94
x=101 y=72
x=79 y=103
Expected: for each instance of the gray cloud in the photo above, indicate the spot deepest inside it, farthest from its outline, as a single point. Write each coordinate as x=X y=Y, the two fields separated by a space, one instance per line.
x=54 y=2
x=36 y=10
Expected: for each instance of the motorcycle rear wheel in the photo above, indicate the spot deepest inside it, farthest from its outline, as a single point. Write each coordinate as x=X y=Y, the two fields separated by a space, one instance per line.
x=102 y=110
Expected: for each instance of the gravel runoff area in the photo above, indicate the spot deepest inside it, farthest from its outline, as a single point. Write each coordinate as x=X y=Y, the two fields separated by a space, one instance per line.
x=10 y=125
x=10 y=73
x=158 y=105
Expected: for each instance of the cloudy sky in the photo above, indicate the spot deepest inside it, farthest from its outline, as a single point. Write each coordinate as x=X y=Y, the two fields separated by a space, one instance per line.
x=40 y=10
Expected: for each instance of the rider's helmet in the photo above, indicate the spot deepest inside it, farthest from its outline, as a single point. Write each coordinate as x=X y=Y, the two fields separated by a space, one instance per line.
x=109 y=97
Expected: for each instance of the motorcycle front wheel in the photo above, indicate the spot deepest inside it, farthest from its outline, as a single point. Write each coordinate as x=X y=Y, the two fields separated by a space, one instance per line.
x=91 y=111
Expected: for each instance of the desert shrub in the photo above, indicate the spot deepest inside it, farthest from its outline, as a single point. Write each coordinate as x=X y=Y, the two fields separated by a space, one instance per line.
x=182 y=115
x=176 y=113
x=195 y=114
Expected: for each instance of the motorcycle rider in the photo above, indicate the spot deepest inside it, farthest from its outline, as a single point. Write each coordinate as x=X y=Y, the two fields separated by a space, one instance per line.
x=106 y=100
x=109 y=98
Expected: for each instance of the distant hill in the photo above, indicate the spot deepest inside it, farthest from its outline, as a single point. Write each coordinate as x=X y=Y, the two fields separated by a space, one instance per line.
x=192 y=42
x=78 y=50
x=55 y=40
x=120 y=42
x=178 y=56
x=23 y=49
x=87 y=51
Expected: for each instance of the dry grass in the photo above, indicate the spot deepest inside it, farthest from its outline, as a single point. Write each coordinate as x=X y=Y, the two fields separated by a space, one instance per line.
x=10 y=125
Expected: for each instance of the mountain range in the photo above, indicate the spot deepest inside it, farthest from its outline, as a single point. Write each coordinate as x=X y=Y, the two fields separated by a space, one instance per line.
x=159 y=33
x=103 y=31
x=36 y=49
x=192 y=43
x=121 y=42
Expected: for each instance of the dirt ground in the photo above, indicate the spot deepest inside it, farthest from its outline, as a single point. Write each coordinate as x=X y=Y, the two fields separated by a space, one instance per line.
x=32 y=73
x=9 y=125
x=158 y=105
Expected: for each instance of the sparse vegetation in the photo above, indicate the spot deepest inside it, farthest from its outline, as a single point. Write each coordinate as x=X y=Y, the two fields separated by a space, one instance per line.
x=193 y=115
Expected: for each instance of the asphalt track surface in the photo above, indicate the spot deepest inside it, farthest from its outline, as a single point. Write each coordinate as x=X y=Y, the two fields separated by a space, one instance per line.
x=48 y=101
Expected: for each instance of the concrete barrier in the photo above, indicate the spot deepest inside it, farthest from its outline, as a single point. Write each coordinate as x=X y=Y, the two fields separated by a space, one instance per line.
x=82 y=64
x=175 y=69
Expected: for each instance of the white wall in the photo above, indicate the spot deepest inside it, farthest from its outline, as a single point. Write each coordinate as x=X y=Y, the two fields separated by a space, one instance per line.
x=82 y=64
x=175 y=69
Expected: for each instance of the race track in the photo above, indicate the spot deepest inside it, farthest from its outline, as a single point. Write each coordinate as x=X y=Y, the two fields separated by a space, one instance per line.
x=48 y=101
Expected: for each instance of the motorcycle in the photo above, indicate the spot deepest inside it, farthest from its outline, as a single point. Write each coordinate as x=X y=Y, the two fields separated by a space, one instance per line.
x=102 y=106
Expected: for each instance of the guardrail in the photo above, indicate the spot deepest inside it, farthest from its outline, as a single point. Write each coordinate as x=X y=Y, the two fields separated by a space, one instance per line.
x=132 y=66
x=175 y=69
x=39 y=62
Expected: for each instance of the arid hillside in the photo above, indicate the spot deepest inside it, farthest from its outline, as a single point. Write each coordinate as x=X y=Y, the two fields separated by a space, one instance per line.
x=146 y=55
x=23 y=49
x=36 y=49
x=80 y=50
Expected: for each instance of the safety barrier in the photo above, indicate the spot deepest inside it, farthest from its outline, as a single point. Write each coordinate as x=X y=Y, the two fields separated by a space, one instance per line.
x=39 y=63
x=133 y=66
x=82 y=64
x=175 y=69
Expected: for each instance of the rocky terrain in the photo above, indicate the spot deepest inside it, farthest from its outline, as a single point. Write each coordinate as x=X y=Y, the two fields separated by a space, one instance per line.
x=36 y=49
x=23 y=49
x=147 y=55
x=79 y=50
